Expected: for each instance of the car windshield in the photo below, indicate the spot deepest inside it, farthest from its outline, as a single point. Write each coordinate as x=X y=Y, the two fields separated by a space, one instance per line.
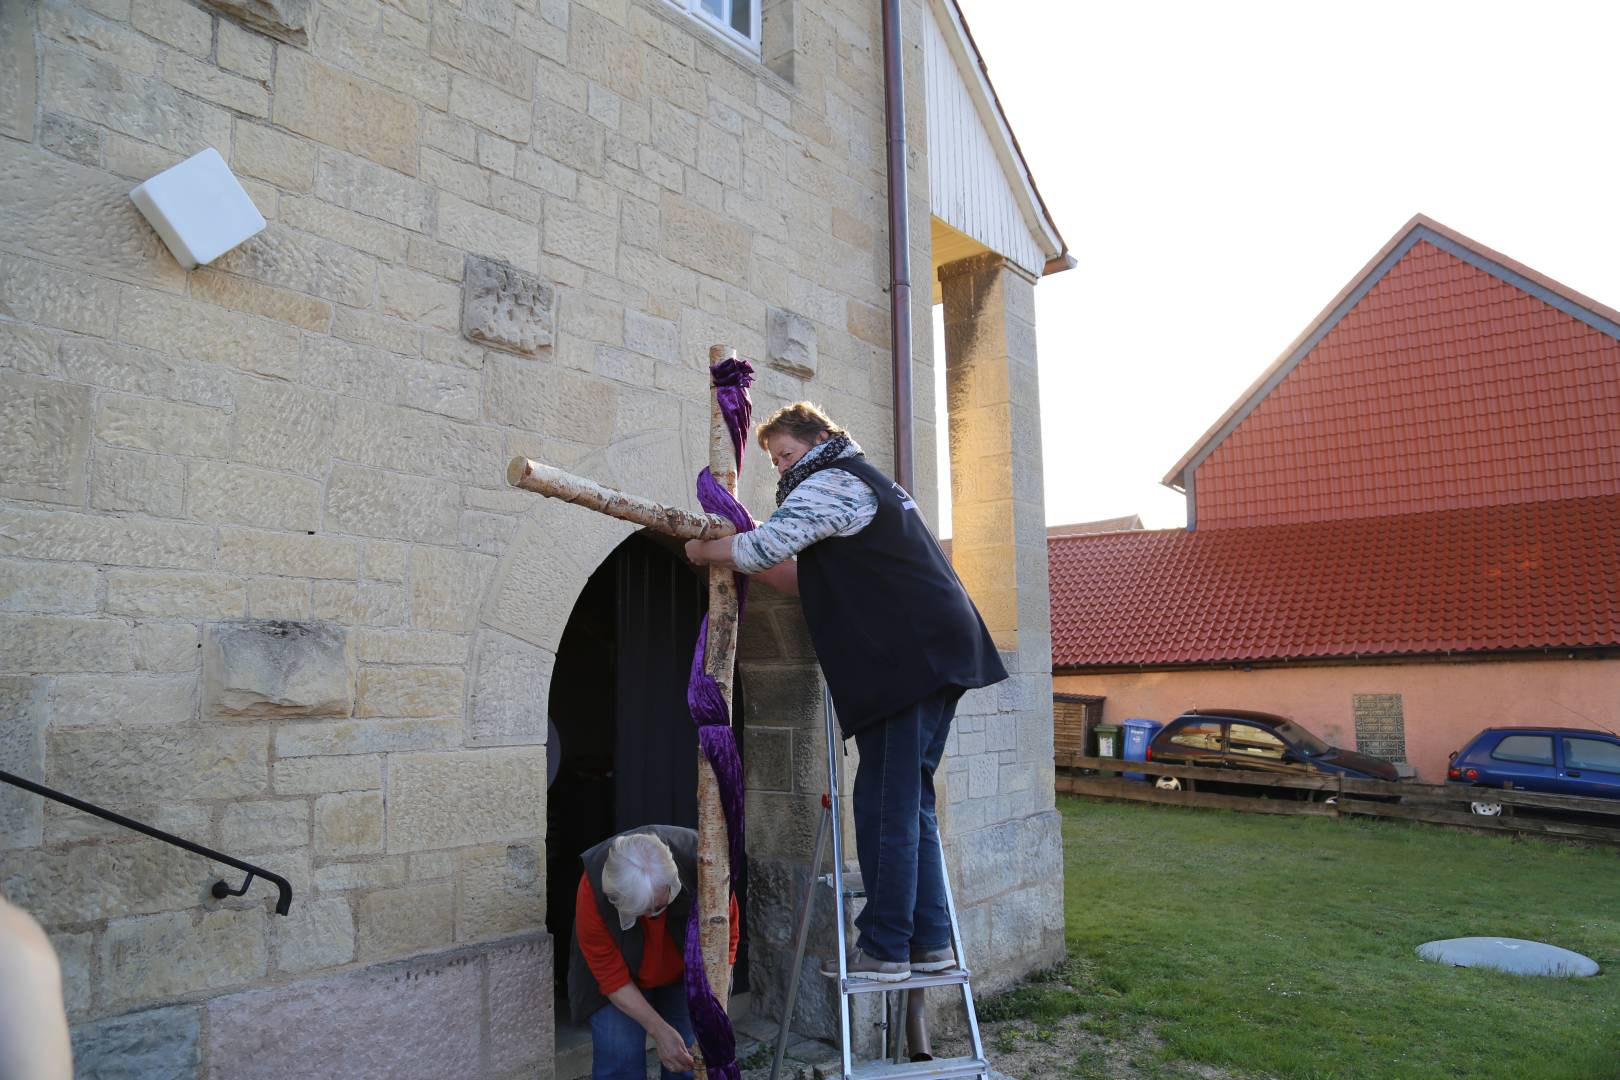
x=1302 y=739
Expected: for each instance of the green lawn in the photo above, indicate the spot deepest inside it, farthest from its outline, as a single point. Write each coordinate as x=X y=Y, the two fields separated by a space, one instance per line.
x=1284 y=946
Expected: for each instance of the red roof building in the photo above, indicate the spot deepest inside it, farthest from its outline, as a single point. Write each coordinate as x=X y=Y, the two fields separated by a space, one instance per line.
x=1430 y=472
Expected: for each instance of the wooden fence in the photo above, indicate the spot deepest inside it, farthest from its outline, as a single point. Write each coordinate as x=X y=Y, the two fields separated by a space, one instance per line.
x=1336 y=796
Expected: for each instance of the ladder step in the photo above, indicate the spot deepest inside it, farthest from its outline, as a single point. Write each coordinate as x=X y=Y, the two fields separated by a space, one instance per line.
x=938 y=1069
x=851 y=892
x=918 y=981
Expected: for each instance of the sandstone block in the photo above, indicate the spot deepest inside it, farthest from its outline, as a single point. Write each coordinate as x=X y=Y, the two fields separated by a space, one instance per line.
x=243 y=52
x=213 y=84
x=366 y=188
x=44 y=438
x=491 y=109
x=410 y=691
x=503 y=891
x=51 y=297
x=142 y=765
x=17 y=75
x=89 y=882
x=95 y=700
x=439 y=800
x=450 y=390
x=293 y=260
x=25 y=350
x=359 y=604
x=271 y=669
x=386 y=561
x=250 y=551
x=368 y=328
x=56 y=587
x=166 y=647
x=505 y=307
x=392 y=1024
x=286 y=20
x=432 y=865
x=149 y=374
x=279 y=598
x=265 y=826
x=580 y=236
x=393 y=922
x=409 y=647
x=256 y=298
x=380 y=238
x=77 y=953
x=126 y=480
x=317 y=934
x=46 y=643
x=22 y=751
x=447 y=588
x=342 y=111
x=473 y=228
x=396 y=63
x=179 y=595
x=152 y=957
x=201 y=331
x=349 y=823
x=486 y=53
x=380 y=873
x=407 y=440
x=560 y=403
x=119 y=541
x=366 y=736
x=83 y=217
x=140 y=108
x=319 y=775
x=181 y=25
x=158 y=1044
x=282 y=427
x=367 y=502
x=520 y=981
x=163 y=427
x=791 y=343
x=237 y=495
x=569 y=137
x=705 y=241
x=509 y=689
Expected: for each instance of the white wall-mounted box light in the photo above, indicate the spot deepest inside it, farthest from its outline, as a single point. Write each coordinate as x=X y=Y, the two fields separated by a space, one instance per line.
x=198 y=208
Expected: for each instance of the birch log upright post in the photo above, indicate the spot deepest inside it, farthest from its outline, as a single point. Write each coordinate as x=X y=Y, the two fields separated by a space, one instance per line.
x=719 y=662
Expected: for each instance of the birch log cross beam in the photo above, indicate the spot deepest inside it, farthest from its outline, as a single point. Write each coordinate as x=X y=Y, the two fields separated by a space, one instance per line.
x=709 y=691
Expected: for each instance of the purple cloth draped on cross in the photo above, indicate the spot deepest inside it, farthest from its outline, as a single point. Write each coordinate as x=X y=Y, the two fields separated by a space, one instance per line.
x=731 y=379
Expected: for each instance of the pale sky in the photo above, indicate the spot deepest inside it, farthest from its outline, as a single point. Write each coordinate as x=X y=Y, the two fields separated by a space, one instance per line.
x=1221 y=171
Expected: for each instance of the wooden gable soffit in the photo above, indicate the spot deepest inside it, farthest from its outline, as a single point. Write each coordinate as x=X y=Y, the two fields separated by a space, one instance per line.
x=1045 y=251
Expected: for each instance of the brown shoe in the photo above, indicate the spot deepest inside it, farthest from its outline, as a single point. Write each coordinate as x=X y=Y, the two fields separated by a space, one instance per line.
x=928 y=960
x=861 y=966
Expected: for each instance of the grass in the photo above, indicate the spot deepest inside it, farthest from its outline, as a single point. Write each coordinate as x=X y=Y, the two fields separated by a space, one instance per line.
x=1284 y=946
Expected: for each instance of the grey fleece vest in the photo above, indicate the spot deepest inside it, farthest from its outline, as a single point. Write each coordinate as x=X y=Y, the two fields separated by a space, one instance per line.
x=584 y=996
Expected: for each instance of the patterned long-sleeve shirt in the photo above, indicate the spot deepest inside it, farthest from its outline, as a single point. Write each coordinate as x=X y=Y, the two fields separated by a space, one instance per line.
x=831 y=502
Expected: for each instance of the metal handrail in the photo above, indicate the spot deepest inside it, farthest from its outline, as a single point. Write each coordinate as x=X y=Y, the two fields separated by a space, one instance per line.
x=220 y=889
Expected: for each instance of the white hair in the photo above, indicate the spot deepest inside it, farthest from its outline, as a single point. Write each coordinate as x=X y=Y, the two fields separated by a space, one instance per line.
x=639 y=866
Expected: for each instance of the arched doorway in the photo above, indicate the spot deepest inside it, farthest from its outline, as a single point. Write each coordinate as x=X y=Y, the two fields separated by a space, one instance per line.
x=619 y=716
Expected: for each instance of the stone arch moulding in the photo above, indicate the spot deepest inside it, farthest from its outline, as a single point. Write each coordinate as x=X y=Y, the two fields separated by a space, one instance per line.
x=541 y=574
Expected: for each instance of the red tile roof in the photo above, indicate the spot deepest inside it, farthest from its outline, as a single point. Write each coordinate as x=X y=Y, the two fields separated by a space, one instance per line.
x=1081 y=528
x=1518 y=576
x=1445 y=376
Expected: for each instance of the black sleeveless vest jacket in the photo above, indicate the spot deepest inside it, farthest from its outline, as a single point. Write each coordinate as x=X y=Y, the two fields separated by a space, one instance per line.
x=888 y=616
x=584 y=996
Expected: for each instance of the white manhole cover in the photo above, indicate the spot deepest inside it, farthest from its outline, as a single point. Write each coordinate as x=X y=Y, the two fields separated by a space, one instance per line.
x=1512 y=955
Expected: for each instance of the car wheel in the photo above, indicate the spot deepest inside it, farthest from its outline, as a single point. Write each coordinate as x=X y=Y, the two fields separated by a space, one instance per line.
x=1486 y=809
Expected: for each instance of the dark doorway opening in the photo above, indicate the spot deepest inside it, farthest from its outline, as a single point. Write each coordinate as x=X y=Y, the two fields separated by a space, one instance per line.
x=618 y=712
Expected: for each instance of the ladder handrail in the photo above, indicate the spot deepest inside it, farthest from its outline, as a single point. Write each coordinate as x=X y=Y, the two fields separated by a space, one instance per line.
x=220 y=890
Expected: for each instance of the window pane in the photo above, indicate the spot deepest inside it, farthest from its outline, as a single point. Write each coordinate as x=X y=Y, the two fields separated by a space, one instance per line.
x=1591 y=754
x=1530 y=749
x=716 y=8
x=1251 y=741
x=742 y=17
x=1200 y=735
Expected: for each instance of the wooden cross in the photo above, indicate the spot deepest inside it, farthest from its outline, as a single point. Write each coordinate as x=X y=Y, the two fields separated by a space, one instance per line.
x=714 y=861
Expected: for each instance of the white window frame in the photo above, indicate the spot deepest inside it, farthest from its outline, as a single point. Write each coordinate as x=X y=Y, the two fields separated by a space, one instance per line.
x=694 y=10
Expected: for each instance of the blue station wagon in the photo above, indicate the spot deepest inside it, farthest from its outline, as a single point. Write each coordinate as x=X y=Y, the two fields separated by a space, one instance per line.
x=1560 y=761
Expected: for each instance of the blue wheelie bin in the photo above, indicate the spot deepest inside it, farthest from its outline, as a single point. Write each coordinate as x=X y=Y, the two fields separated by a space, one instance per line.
x=1138 y=733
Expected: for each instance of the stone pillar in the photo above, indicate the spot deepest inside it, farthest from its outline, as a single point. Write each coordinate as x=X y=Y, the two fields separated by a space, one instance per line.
x=1002 y=831
x=998 y=528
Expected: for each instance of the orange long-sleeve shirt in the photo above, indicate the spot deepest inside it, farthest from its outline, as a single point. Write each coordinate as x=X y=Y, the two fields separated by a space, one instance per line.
x=661 y=959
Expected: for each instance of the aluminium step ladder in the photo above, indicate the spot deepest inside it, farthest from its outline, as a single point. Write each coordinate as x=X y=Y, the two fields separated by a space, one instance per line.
x=899 y=999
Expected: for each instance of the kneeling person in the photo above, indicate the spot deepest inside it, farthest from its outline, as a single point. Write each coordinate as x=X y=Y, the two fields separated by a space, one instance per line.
x=626 y=962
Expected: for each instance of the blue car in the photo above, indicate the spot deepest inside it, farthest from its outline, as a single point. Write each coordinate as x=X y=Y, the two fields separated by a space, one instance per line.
x=1560 y=761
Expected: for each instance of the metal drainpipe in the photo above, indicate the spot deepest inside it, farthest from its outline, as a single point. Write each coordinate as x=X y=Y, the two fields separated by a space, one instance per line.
x=894 y=110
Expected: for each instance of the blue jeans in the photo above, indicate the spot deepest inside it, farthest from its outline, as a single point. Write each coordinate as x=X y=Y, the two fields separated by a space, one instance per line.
x=619 y=1044
x=896 y=832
